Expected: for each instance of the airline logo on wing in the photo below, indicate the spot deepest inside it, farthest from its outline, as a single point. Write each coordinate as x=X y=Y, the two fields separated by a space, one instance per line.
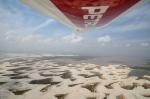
x=92 y=13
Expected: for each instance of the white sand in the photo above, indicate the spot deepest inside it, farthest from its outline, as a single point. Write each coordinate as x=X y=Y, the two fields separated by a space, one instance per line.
x=72 y=81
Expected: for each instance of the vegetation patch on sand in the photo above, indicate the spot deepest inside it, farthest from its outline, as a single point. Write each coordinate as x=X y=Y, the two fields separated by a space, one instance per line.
x=91 y=87
x=66 y=75
x=129 y=87
x=1 y=83
x=121 y=96
x=45 y=88
x=146 y=95
x=60 y=96
x=146 y=86
x=41 y=81
x=44 y=81
x=19 y=77
x=109 y=86
x=91 y=98
x=19 y=92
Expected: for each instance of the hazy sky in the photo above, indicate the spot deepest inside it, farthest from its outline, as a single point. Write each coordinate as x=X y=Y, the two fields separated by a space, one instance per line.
x=23 y=29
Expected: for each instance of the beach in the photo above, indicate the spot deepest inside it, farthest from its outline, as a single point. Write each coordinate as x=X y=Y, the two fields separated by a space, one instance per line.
x=37 y=77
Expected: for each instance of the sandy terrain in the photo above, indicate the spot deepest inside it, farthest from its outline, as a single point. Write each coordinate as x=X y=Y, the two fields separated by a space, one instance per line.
x=42 y=78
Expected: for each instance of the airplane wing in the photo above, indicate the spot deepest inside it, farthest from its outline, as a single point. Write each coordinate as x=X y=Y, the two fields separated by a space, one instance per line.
x=84 y=14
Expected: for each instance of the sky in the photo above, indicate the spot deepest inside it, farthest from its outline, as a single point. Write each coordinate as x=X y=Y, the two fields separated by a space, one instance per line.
x=23 y=29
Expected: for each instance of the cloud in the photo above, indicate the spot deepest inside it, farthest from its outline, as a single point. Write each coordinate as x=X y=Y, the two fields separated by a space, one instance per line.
x=145 y=44
x=131 y=27
x=28 y=34
x=36 y=38
x=28 y=39
x=130 y=23
x=128 y=26
x=42 y=25
x=128 y=45
x=104 y=39
x=23 y=29
x=73 y=38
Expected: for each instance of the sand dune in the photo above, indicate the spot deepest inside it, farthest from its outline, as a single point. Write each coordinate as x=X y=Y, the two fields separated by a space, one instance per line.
x=34 y=78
